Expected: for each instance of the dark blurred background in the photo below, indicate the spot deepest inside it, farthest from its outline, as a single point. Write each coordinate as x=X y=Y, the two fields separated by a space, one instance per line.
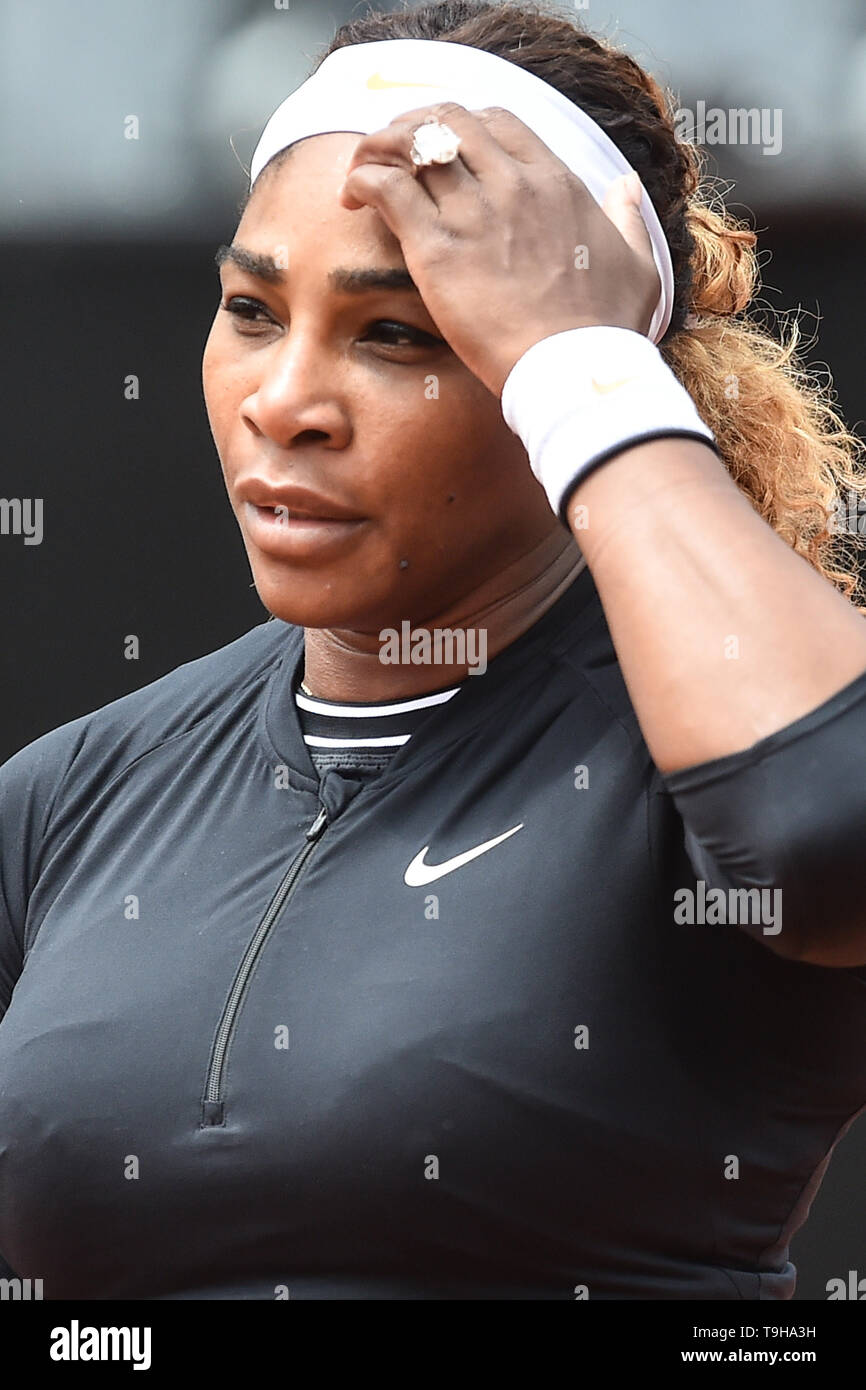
x=107 y=270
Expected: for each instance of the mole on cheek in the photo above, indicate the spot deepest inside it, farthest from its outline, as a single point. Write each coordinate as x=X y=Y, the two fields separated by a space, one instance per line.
x=450 y=497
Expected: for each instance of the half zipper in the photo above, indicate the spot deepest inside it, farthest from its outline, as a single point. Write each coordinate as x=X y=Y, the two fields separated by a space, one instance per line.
x=213 y=1105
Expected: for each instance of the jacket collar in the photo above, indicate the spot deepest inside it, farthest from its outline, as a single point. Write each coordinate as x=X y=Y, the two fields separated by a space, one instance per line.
x=477 y=700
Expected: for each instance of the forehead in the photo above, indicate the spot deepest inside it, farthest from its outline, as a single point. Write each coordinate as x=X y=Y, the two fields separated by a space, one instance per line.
x=296 y=200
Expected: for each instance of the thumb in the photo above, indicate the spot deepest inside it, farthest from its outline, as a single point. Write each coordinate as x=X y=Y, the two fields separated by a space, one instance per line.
x=622 y=205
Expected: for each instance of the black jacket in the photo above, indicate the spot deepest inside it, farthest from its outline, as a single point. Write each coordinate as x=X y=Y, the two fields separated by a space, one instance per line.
x=242 y=1057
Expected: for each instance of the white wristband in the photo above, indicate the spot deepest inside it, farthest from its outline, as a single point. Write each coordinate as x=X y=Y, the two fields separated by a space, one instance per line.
x=577 y=398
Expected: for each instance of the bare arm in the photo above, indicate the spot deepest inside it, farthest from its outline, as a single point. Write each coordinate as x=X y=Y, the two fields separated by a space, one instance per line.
x=723 y=633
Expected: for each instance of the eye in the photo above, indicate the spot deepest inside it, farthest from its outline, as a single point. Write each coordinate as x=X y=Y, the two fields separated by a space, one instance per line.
x=251 y=311
x=246 y=310
x=388 y=331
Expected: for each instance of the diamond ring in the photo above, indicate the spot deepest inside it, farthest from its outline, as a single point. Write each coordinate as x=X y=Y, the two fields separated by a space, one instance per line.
x=433 y=143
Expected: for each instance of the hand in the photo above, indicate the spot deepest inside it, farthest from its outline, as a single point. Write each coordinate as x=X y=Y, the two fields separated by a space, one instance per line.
x=492 y=240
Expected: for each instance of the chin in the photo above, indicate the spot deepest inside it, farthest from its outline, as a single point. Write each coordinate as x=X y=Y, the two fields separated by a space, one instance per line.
x=317 y=601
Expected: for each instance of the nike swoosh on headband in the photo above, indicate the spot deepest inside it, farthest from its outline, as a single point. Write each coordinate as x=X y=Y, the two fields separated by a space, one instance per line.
x=419 y=873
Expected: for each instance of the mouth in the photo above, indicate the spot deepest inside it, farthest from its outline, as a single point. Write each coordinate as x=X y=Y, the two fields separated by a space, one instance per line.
x=294 y=523
x=291 y=515
x=293 y=503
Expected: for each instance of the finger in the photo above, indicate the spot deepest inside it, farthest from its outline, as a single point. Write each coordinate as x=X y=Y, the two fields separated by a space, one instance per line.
x=516 y=140
x=480 y=152
x=400 y=199
x=352 y=193
x=393 y=145
x=495 y=141
x=622 y=204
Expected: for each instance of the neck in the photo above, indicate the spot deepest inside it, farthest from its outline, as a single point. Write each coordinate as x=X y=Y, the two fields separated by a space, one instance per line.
x=347 y=666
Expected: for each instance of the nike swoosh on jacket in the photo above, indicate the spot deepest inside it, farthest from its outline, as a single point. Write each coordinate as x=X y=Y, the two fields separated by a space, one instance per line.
x=420 y=873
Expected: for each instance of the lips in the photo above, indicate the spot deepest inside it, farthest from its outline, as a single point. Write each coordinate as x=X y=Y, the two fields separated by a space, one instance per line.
x=296 y=525
x=294 y=503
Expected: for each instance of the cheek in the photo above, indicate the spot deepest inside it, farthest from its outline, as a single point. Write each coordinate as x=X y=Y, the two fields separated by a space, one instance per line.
x=210 y=381
x=444 y=493
x=222 y=383
x=210 y=357
x=412 y=467
x=440 y=455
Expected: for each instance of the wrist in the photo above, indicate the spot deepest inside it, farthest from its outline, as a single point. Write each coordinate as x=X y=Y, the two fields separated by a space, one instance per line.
x=640 y=500
x=578 y=398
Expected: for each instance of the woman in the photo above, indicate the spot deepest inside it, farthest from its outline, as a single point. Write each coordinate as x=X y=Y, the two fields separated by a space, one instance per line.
x=490 y=924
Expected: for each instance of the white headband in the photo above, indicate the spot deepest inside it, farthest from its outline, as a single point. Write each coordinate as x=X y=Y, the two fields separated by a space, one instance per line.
x=361 y=88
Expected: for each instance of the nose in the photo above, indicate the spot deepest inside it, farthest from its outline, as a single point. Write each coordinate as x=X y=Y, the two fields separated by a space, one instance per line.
x=297 y=396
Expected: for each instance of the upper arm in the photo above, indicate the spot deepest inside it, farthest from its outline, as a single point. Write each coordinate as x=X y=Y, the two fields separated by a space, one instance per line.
x=789 y=815
x=15 y=864
x=29 y=783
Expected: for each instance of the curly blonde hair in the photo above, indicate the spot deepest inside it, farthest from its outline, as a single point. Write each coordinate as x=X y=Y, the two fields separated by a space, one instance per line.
x=775 y=420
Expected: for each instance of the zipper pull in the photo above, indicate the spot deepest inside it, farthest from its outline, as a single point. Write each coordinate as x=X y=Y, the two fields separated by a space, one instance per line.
x=318 y=825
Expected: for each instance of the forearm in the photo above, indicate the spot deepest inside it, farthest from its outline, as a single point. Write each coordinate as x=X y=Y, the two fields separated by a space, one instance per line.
x=723 y=633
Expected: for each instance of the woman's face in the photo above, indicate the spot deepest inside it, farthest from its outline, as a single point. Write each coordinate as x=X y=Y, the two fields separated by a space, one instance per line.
x=372 y=475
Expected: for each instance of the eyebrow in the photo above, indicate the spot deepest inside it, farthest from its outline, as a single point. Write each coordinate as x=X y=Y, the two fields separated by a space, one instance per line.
x=343 y=280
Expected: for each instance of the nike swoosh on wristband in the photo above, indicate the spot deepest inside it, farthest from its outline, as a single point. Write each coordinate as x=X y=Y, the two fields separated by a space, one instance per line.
x=419 y=873
x=377 y=83
x=602 y=387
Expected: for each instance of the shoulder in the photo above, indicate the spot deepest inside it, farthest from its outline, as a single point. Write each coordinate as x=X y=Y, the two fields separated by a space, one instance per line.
x=101 y=743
